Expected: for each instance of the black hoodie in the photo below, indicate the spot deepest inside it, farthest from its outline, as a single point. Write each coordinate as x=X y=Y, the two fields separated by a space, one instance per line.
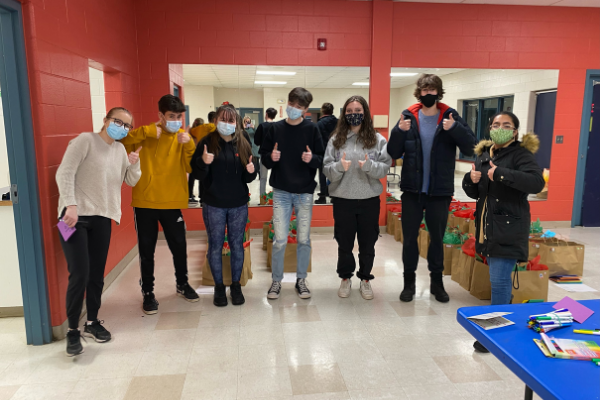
x=225 y=180
x=327 y=125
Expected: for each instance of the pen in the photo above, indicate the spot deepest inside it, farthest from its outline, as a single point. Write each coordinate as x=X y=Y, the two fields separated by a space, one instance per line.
x=586 y=332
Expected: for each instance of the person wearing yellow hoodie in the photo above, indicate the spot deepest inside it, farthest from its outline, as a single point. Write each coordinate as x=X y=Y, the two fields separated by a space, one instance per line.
x=199 y=131
x=161 y=193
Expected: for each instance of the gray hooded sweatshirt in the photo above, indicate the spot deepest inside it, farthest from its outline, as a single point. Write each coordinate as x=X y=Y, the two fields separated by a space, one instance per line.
x=356 y=183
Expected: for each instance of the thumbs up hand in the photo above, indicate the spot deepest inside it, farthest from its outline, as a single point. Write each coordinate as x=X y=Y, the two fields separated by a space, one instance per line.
x=307 y=155
x=362 y=162
x=275 y=154
x=491 y=171
x=250 y=166
x=345 y=164
x=183 y=137
x=207 y=157
x=404 y=124
x=448 y=122
x=475 y=175
x=134 y=156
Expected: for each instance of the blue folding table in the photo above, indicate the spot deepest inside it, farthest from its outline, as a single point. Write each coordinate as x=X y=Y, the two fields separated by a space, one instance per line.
x=513 y=345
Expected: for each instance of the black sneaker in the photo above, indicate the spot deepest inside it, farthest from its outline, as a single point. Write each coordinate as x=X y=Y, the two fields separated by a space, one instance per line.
x=302 y=289
x=408 y=292
x=192 y=202
x=74 y=347
x=188 y=293
x=97 y=332
x=321 y=200
x=437 y=289
x=480 y=348
x=220 y=296
x=235 y=291
x=274 y=290
x=150 y=305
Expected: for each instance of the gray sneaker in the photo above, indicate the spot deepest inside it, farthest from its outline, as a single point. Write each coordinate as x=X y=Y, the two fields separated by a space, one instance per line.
x=345 y=286
x=365 y=290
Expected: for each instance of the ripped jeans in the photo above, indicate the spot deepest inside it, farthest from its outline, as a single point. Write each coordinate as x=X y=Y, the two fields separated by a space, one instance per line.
x=283 y=203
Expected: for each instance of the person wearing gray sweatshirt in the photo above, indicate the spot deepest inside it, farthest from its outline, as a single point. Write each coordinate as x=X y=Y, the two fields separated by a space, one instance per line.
x=355 y=160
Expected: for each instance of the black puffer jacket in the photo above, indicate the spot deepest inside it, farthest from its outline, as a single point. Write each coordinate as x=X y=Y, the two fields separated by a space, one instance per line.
x=443 y=151
x=502 y=217
x=327 y=125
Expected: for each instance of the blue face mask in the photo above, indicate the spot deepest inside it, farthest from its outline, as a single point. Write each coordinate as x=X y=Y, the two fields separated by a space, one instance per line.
x=225 y=129
x=293 y=112
x=173 y=126
x=116 y=132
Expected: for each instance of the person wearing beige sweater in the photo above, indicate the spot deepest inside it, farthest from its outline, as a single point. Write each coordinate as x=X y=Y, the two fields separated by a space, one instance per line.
x=89 y=180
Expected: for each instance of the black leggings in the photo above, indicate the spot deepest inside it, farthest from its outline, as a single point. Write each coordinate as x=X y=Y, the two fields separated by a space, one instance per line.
x=86 y=252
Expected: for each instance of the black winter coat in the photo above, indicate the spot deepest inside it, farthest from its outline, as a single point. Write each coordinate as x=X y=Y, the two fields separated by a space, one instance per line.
x=443 y=151
x=327 y=125
x=502 y=217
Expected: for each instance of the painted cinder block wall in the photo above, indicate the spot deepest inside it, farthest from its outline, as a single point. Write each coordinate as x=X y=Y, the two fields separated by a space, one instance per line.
x=134 y=41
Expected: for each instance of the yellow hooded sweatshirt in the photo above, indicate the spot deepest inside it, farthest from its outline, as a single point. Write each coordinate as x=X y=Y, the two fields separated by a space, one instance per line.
x=164 y=163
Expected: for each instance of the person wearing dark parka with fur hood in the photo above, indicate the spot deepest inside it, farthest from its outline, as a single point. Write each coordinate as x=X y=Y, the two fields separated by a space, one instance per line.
x=503 y=175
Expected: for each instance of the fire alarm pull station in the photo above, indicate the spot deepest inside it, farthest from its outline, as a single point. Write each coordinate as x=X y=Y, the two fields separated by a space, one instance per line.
x=322 y=44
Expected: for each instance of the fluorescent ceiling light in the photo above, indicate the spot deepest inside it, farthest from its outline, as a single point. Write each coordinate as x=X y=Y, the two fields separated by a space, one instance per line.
x=404 y=73
x=275 y=73
x=360 y=84
x=269 y=83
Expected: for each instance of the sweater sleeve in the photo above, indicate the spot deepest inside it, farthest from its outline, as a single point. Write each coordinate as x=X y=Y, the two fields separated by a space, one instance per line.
x=136 y=136
x=201 y=131
x=332 y=168
x=199 y=168
x=76 y=152
x=133 y=173
x=188 y=151
x=318 y=149
x=379 y=167
x=526 y=176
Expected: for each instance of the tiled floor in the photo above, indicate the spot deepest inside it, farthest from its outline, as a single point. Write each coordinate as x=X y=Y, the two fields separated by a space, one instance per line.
x=322 y=348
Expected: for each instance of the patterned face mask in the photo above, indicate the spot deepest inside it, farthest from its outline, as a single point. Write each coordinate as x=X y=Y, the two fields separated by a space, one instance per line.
x=501 y=136
x=355 y=119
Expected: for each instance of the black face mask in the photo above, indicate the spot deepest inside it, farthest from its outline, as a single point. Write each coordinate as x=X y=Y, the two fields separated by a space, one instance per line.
x=428 y=100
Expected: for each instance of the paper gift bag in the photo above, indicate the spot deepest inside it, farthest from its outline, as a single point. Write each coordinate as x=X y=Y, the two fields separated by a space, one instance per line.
x=449 y=251
x=534 y=248
x=424 y=241
x=265 y=235
x=464 y=271
x=530 y=285
x=562 y=258
x=472 y=229
x=207 y=278
x=481 y=287
x=455 y=257
x=398 y=233
x=450 y=219
x=389 y=225
x=290 y=260
x=462 y=223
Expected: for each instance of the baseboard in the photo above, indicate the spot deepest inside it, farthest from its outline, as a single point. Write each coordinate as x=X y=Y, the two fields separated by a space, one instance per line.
x=6 y=312
x=60 y=332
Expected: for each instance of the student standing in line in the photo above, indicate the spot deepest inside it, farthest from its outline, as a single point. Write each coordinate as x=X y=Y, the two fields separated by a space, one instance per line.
x=270 y=115
x=355 y=160
x=248 y=126
x=223 y=162
x=198 y=132
x=503 y=175
x=89 y=181
x=326 y=125
x=427 y=136
x=293 y=150
x=161 y=194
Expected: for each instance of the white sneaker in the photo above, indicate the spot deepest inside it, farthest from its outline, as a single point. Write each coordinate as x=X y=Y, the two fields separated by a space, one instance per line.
x=365 y=290
x=345 y=287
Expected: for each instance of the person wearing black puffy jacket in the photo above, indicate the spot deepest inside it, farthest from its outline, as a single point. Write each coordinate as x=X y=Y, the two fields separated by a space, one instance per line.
x=327 y=124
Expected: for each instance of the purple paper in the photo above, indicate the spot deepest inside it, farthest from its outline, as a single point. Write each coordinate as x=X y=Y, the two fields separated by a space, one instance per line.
x=579 y=311
x=64 y=230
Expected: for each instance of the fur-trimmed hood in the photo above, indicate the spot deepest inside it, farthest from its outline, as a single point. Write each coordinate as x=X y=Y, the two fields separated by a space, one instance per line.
x=530 y=141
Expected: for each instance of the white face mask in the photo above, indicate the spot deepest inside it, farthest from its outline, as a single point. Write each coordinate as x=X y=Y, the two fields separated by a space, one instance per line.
x=225 y=129
x=293 y=113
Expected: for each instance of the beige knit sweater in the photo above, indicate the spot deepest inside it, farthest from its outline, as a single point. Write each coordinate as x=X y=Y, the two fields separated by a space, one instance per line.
x=91 y=174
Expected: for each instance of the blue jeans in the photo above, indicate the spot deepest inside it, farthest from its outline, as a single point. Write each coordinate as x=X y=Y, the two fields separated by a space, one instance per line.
x=500 y=277
x=283 y=203
x=215 y=220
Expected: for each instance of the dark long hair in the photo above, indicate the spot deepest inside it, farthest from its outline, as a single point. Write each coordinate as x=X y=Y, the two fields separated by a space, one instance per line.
x=366 y=135
x=244 y=148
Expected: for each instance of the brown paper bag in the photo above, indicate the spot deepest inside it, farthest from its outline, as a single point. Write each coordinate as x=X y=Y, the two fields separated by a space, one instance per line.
x=455 y=257
x=450 y=219
x=457 y=265
x=424 y=241
x=531 y=285
x=207 y=278
x=389 y=225
x=265 y=235
x=465 y=271
x=398 y=233
x=472 y=229
x=481 y=287
x=534 y=248
x=448 y=257
x=269 y=252
x=462 y=223
x=562 y=258
x=290 y=260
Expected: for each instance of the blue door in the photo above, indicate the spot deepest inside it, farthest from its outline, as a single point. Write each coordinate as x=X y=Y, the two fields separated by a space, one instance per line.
x=590 y=210
x=544 y=126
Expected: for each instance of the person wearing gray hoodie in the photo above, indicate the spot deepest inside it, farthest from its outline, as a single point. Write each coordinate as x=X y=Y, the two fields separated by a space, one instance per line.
x=355 y=160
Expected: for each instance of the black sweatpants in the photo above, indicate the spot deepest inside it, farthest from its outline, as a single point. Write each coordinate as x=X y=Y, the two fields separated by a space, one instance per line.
x=191 y=181
x=86 y=252
x=146 y=225
x=323 y=183
x=356 y=219
x=436 y=218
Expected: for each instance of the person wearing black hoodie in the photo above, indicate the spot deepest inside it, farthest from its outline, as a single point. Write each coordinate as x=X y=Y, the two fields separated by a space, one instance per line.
x=270 y=115
x=326 y=125
x=223 y=162
x=427 y=136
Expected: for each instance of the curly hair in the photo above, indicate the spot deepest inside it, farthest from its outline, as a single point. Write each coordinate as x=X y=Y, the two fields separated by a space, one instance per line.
x=429 y=81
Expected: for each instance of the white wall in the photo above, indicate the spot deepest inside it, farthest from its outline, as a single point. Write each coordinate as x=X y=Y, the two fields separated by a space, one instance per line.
x=10 y=283
x=249 y=98
x=201 y=101
x=98 y=101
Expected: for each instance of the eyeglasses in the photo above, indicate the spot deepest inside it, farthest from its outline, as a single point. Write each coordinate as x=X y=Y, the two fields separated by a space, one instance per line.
x=120 y=123
x=503 y=126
